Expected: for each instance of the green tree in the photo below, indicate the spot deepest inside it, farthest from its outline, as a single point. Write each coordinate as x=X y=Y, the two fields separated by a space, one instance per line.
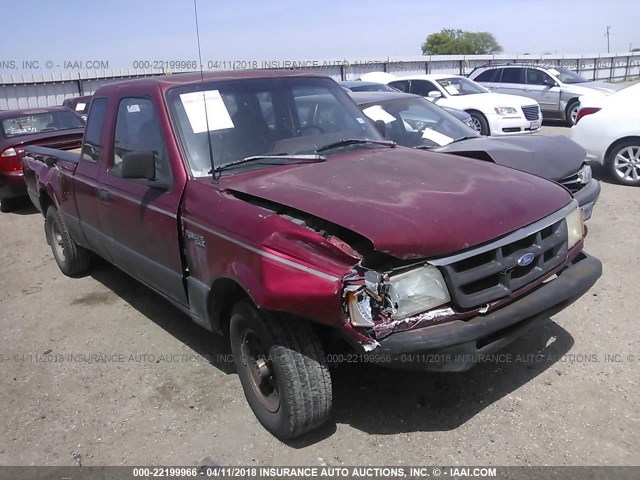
x=449 y=41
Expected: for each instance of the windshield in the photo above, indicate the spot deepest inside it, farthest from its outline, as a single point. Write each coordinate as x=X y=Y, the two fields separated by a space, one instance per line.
x=40 y=122
x=267 y=116
x=416 y=122
x=456 y=86
x=567 y=76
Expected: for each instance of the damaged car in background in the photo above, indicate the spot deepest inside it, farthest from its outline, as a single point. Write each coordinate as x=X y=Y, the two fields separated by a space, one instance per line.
x=290 y=227
x=412 y=121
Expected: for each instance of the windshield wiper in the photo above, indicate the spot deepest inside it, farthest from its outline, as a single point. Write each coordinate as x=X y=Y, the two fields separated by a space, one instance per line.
x=355 y=141
x=468 y=137
x=266 y=159
x=461 y=139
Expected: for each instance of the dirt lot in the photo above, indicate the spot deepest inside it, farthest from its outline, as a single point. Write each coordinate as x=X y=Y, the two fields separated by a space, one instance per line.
x=571 y=398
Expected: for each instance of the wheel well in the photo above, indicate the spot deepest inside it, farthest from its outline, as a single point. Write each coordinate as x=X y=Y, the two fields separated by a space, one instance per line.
x=473 y=110
x=570 y=102
x=225 y=293
x=45 y=202
x=618 y=142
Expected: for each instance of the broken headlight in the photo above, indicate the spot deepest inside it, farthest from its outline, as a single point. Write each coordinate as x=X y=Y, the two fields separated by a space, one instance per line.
x=417 y=290
x=585 y=174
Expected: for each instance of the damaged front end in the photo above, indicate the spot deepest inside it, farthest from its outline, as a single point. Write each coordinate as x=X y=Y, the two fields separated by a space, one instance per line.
x=399 y=299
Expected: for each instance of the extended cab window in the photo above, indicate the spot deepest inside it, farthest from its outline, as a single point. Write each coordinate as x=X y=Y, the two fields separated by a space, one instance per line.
x=93 y=130
x=138 y=130
x=513 y=75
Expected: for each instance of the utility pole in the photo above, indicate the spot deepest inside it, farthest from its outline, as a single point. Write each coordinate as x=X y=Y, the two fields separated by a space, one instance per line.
x=607 y=35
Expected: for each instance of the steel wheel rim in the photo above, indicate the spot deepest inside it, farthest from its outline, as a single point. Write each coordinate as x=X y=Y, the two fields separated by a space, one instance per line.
x=627 y=163
x=259 y=370
x=56 y=239
x=477 y=126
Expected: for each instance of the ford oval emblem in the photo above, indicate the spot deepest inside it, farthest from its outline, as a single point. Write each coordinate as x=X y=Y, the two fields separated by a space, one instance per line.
x=526 y=259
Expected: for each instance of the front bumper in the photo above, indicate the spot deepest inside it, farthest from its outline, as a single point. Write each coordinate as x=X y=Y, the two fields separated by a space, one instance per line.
x=502 y=125
x=12 y=185
x=458 y=345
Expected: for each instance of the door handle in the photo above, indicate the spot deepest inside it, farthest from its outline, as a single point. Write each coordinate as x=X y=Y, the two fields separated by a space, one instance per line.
x=104 y=195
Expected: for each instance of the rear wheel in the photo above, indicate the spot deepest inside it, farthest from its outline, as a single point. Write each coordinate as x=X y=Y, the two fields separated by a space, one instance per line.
x=623 y=163
x=572 y=113
x=283 y=371
x=72 y=259
x=7 y=205
x=479 y=123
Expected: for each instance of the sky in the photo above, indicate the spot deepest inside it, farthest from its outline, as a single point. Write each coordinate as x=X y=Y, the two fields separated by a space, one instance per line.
x=122 y=32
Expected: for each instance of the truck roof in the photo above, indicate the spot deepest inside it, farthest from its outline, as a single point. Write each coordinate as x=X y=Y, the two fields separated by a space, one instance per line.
x=167 y=81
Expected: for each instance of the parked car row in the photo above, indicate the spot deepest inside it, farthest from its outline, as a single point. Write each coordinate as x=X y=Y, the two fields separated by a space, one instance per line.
x=610 y=138
x=280 y=215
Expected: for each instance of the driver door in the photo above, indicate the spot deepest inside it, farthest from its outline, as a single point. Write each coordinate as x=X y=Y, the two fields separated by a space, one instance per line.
x=142 y=222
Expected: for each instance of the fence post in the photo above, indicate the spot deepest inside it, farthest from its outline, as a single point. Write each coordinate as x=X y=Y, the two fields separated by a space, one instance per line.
x=626 y=69
x=611 y=69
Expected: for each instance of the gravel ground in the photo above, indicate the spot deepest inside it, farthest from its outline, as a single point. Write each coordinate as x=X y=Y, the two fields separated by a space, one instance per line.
x=571 y=398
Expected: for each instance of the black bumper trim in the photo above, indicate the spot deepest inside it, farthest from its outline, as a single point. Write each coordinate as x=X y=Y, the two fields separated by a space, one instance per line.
x=589 y=193
x=494 y=330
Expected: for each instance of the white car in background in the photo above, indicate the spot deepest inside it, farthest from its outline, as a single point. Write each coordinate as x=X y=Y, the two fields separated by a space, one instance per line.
x=492 y=113
x=608 y=128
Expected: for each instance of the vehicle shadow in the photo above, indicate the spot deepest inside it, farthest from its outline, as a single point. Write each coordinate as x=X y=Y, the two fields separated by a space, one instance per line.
x=160 y=311
x=24 y=207
x=385 y=401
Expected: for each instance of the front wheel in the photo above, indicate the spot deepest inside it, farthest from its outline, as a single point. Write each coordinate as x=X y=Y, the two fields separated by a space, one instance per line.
x=72 y=259
x=479 y=123
x=623 y=163
x=572 y=113
x=282 y=369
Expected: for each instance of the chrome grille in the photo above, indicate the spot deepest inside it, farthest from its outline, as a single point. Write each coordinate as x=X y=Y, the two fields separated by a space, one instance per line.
x=494 y=273
x=531 y=112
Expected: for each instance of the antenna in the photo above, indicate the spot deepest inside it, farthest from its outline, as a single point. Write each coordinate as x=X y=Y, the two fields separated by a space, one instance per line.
x=204 y=95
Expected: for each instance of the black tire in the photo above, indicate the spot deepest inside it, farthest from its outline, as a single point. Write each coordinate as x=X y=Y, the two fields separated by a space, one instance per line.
x=480 y=123
x=622 y=164
x=282 y=369
x=571 y=112
x=7 y=205
x=72 y=259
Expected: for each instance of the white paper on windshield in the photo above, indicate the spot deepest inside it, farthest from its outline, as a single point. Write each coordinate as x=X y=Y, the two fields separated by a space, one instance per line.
x=80 y=106
x=376 y=113
x=439 y=138
x=216 y=112
x=135 y=108
x=555 y=72
x=452 y=89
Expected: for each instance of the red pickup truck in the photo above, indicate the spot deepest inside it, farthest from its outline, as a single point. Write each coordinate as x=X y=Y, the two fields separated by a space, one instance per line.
x=267 y=207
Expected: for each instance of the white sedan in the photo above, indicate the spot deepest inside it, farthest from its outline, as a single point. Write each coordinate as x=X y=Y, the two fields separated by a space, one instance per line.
x=608 y=128
x=492 y=113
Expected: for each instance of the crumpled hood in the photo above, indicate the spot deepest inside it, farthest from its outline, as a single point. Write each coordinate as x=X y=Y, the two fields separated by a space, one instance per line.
x=409 y=204
x=554 y=157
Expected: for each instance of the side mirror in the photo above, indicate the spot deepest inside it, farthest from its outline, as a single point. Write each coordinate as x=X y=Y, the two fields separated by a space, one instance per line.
x=549 y=82
x=137 y=165
x=381 y=127
x=434 y=94
x=142 y=166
